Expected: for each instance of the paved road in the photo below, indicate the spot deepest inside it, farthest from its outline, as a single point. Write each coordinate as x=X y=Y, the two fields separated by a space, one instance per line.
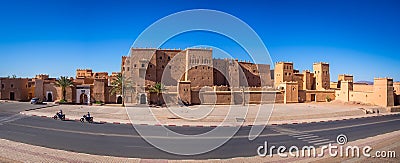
x=9 y=111
x=124 y=141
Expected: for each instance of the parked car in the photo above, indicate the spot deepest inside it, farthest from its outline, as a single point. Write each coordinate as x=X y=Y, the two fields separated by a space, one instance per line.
x=36 y=101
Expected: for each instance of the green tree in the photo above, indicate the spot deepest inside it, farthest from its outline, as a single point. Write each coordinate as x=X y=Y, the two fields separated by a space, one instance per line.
x=117 y=86
x=158 y=88
x=64 y=82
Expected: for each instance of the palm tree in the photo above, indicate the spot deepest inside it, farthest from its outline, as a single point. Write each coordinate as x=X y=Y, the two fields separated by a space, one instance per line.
x=117 y=86
x=158 y=88
x=64 y=82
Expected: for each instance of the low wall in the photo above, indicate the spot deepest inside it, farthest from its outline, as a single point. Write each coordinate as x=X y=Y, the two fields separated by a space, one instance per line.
x=363 y=87
x=363 y=97
x=394 y=109
x=319 y=96
x=236 y=98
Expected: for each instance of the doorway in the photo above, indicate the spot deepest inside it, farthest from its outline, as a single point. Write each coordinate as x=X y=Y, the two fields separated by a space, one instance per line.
x=83 y=98
x=49 y=97
x=12 y=96
x=119 y=100
x=313 y=97
x=142 y=99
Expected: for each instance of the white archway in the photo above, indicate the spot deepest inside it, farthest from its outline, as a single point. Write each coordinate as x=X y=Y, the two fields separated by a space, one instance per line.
x=83 y=94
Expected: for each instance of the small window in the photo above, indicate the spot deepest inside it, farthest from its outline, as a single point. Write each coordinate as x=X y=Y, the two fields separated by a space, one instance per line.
x=160 y=57
x=134 y=65
x=2 y=85
x=162 y=66
x=142 y=66
x=151 y=66
x=195 y=67
x=128 y=68
x=169 y=58
x=12 y=85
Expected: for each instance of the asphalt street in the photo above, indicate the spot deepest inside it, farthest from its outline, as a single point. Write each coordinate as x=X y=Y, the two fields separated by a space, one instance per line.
x=123 y=140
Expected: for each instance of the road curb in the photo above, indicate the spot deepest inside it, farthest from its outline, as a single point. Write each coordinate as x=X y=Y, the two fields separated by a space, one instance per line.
x=46 y=106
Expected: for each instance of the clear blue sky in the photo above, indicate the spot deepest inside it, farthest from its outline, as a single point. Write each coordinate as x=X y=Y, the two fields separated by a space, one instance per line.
x=359 y=37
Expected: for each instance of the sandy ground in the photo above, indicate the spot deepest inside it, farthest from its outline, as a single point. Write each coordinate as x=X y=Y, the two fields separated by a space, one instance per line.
x=218 y=115
x=211 y=115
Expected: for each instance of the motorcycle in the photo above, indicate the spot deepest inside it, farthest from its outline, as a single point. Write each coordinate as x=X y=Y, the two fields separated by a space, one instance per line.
x=59 y=116
x=86 y=118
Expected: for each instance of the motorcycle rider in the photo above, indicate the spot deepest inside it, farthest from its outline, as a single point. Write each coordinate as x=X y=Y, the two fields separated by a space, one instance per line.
x=59 y=113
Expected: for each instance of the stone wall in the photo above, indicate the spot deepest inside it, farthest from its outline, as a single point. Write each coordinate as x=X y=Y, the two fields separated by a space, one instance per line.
x=361 y=87
x=236 y=98
x=16 y=86
x=319 y=96
x=362 y=97
x=382 y=93
x=185 y=91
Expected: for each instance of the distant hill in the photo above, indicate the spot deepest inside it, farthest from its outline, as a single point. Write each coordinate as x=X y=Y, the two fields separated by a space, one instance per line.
x=367 y=82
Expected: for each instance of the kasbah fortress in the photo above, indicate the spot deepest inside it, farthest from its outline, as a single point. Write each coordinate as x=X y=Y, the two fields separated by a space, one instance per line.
x=192 y=76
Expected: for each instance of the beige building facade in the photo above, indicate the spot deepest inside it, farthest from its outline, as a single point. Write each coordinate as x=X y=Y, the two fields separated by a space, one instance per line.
x=88 y=87
x=191 y=71
x=311 y=85
x=381 y=93
x=192 y=76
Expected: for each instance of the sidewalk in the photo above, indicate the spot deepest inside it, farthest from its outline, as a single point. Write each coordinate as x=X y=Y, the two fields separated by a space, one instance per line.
x=207 y=116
